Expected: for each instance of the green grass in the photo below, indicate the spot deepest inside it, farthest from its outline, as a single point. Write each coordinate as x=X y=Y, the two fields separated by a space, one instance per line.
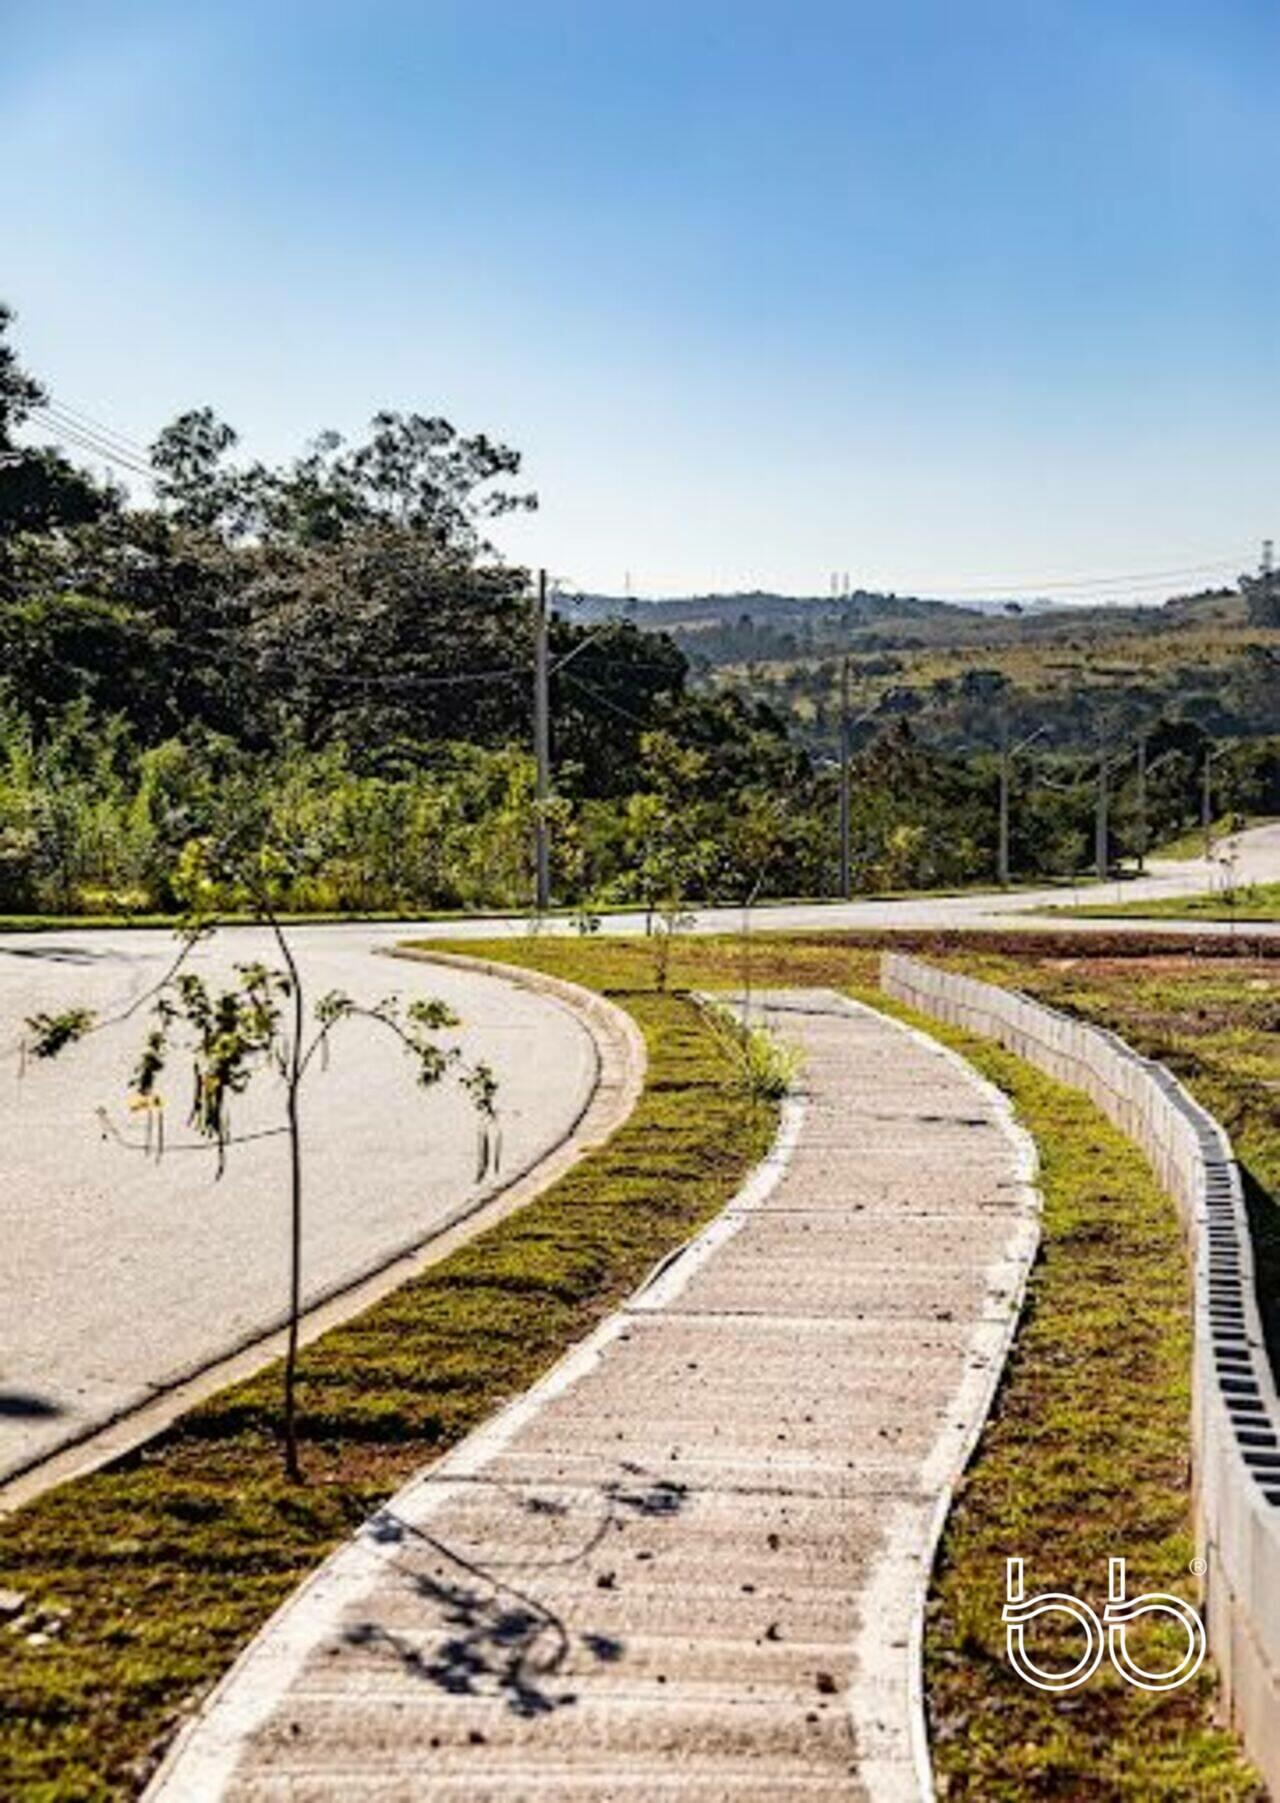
x=1251 y=901
x=1085 y=1457
x=153 y=1572
x=1216 y=1024
x=1190 y=845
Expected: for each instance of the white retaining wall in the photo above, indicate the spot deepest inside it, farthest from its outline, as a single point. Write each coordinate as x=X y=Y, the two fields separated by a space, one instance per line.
x=1235 y=1412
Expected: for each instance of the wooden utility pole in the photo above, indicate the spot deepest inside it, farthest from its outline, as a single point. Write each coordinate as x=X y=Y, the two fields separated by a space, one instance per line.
x=1142 y=802
x=846 y=736
x=1206 y=801
x=541 y=748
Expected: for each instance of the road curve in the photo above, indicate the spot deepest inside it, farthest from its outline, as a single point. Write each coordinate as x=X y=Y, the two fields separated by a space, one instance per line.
x=121 y=1275
x=1022 y=910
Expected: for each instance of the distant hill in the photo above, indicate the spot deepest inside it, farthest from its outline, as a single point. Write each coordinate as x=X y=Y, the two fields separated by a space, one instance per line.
x=760 y=606
x=1065 y=669
x=827 y=622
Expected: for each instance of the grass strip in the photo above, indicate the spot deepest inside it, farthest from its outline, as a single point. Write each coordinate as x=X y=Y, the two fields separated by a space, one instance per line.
x=143 y=1580
x=1086 y=1456
x=1217 y=1027
x=1248 y=902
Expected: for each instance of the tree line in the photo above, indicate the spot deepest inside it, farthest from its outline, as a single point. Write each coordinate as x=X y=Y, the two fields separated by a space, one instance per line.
x=332 y=649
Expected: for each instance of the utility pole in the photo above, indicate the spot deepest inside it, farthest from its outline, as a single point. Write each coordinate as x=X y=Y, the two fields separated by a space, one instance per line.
x=1002 y=853
x=1206 y=801
x=1142 y=802
x=846 y=734
x=541 y=748
x=1101 y=834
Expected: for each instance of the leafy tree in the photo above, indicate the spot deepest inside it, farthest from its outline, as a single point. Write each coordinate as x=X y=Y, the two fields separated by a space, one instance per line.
x=191 y=481
x=40 y=490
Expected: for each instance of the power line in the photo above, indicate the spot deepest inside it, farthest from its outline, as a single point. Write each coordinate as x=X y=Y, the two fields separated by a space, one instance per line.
x=605 y=701
x=1229 y=560
x=84 y=422
x=410 y=681
x=83 y=441
x=222 y=646
x=53 y=415
x=67 y=435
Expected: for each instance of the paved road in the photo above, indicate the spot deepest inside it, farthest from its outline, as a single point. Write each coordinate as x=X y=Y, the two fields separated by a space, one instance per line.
x=1258 y=861
x=119 y=1275
x=690 y=1564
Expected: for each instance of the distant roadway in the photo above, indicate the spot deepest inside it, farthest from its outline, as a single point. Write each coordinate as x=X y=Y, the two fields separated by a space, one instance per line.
x=1011 y=910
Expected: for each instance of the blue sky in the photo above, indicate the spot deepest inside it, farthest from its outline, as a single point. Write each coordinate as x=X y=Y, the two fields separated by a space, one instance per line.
x=949 y=296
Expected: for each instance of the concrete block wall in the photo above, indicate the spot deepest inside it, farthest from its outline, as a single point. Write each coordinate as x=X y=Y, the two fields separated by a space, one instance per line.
x=1235 y=1410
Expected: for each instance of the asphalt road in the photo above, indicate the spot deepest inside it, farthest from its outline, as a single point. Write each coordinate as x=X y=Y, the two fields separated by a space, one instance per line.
x=1257 y=861
x=120 y=1275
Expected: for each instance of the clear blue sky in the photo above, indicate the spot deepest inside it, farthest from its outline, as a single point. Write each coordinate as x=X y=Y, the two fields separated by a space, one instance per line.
x=945 y=295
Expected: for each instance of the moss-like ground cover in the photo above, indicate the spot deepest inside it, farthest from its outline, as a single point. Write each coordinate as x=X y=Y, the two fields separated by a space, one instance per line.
x=145 y=1578
x=1085 y=1458
x=1216 y=1024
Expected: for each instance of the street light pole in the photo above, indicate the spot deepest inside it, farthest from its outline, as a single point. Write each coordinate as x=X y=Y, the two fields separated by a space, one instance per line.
x=1007 y=754
x=1101 y=827
x=541 y=748
x=1002 y=851
x=846 y=734
x=1206 y=799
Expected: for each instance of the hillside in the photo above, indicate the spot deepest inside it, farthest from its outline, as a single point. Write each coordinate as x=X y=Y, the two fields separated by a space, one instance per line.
x=1072 y=671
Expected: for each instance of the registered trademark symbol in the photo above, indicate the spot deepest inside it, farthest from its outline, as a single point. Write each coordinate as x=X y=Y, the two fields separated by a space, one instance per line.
x=1198 y=1568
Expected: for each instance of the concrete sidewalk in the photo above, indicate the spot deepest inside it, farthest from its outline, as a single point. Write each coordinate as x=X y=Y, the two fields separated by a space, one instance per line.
x=691 y=1562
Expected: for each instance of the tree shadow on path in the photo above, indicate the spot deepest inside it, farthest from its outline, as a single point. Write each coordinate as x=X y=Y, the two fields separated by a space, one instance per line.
x=488 y=1636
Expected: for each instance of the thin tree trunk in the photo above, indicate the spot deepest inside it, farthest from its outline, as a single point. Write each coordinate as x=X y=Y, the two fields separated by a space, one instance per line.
x=292 y=1463
x=753 y=896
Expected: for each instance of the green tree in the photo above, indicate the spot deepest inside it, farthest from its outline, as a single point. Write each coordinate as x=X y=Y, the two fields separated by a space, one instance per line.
x=40 y=490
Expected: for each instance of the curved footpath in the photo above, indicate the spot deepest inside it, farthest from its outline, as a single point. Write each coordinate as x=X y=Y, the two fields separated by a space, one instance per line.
x=691 y=1562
